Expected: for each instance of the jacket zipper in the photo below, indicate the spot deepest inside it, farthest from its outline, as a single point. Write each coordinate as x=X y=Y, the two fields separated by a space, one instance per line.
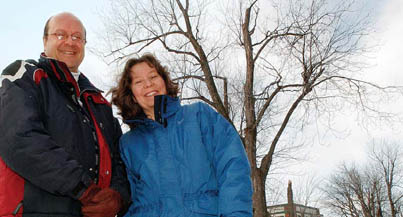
x=17 y=208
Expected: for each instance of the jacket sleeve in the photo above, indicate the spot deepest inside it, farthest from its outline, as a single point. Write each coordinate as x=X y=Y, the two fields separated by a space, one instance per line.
x=25 y=144
x=230 y=162
x=119 y=180
x=126 y=156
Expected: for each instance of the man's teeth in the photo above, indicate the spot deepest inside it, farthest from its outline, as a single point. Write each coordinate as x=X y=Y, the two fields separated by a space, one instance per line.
x=68 y=52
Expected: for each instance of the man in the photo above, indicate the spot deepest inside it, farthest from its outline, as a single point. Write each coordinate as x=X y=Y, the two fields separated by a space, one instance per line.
x=58 y=137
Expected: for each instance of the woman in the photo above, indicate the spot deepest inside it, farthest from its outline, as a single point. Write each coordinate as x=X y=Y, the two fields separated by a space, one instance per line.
x=181 y=160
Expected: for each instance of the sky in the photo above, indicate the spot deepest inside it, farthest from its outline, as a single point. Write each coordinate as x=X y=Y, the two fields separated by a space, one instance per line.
x=386 y=69
x=22 y=23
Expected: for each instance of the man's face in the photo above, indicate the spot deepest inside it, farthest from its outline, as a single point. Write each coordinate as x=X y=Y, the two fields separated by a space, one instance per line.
x=65 y=49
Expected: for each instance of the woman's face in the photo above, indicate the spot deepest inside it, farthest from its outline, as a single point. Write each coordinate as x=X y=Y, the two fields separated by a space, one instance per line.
x=146 y=83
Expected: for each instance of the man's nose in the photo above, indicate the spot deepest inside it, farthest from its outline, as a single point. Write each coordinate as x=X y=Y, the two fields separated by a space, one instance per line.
x=69 y=40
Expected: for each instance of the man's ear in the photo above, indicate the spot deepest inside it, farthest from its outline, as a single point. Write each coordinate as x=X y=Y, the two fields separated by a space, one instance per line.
x=45 y=40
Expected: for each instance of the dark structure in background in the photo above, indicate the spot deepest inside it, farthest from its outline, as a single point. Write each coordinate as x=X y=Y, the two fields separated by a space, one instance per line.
x=292 y=209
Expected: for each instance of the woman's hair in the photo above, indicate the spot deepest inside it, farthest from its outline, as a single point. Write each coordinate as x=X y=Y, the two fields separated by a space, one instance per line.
x=122 y=95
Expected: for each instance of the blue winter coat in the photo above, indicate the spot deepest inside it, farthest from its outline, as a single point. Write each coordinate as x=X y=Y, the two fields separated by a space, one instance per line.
x=189 y=162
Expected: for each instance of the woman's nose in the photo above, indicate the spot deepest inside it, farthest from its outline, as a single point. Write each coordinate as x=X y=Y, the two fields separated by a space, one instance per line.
x=148 y=82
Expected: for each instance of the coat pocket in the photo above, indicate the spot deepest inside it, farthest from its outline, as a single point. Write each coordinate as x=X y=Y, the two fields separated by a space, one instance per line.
x=206 y=203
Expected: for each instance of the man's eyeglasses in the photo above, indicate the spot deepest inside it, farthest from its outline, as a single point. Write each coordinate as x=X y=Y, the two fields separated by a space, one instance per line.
x=74 y=37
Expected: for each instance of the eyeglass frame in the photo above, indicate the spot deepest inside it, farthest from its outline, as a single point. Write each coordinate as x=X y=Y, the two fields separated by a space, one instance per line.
x=64 y=36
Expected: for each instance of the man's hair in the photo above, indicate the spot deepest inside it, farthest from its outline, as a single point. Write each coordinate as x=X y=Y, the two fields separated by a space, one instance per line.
x=46 y=29
x=122 y=95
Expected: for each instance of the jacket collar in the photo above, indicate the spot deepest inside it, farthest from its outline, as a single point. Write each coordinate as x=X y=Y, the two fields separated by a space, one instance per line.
x=61 y=72
x=58 y=68
x=85 y=85
x=164 y=107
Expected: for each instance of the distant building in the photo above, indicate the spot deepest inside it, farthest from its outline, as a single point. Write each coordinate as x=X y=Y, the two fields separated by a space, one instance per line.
x=292 y=209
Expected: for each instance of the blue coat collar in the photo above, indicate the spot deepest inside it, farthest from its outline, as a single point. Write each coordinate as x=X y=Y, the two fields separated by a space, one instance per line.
x=164 y=106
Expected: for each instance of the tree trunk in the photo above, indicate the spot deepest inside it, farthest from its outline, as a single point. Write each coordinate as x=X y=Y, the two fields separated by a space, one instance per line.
x=259 y=197
x=258 y=181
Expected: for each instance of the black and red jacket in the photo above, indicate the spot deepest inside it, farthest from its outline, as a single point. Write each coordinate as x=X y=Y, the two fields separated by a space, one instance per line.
x=56 y=137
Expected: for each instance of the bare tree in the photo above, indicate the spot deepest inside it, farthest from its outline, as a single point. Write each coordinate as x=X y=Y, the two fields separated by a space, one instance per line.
x=371 y=191
x=351 y=192
x=387 y=160
x=269 y=67
x=307 y=191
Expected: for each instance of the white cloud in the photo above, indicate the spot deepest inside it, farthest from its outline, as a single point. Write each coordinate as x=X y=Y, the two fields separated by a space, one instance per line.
x=389 y=56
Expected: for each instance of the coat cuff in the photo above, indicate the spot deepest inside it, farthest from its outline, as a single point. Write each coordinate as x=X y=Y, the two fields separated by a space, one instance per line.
x=81 y=187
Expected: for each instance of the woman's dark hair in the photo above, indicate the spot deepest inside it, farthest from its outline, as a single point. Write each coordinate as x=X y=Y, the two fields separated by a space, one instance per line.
x=122 y=95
